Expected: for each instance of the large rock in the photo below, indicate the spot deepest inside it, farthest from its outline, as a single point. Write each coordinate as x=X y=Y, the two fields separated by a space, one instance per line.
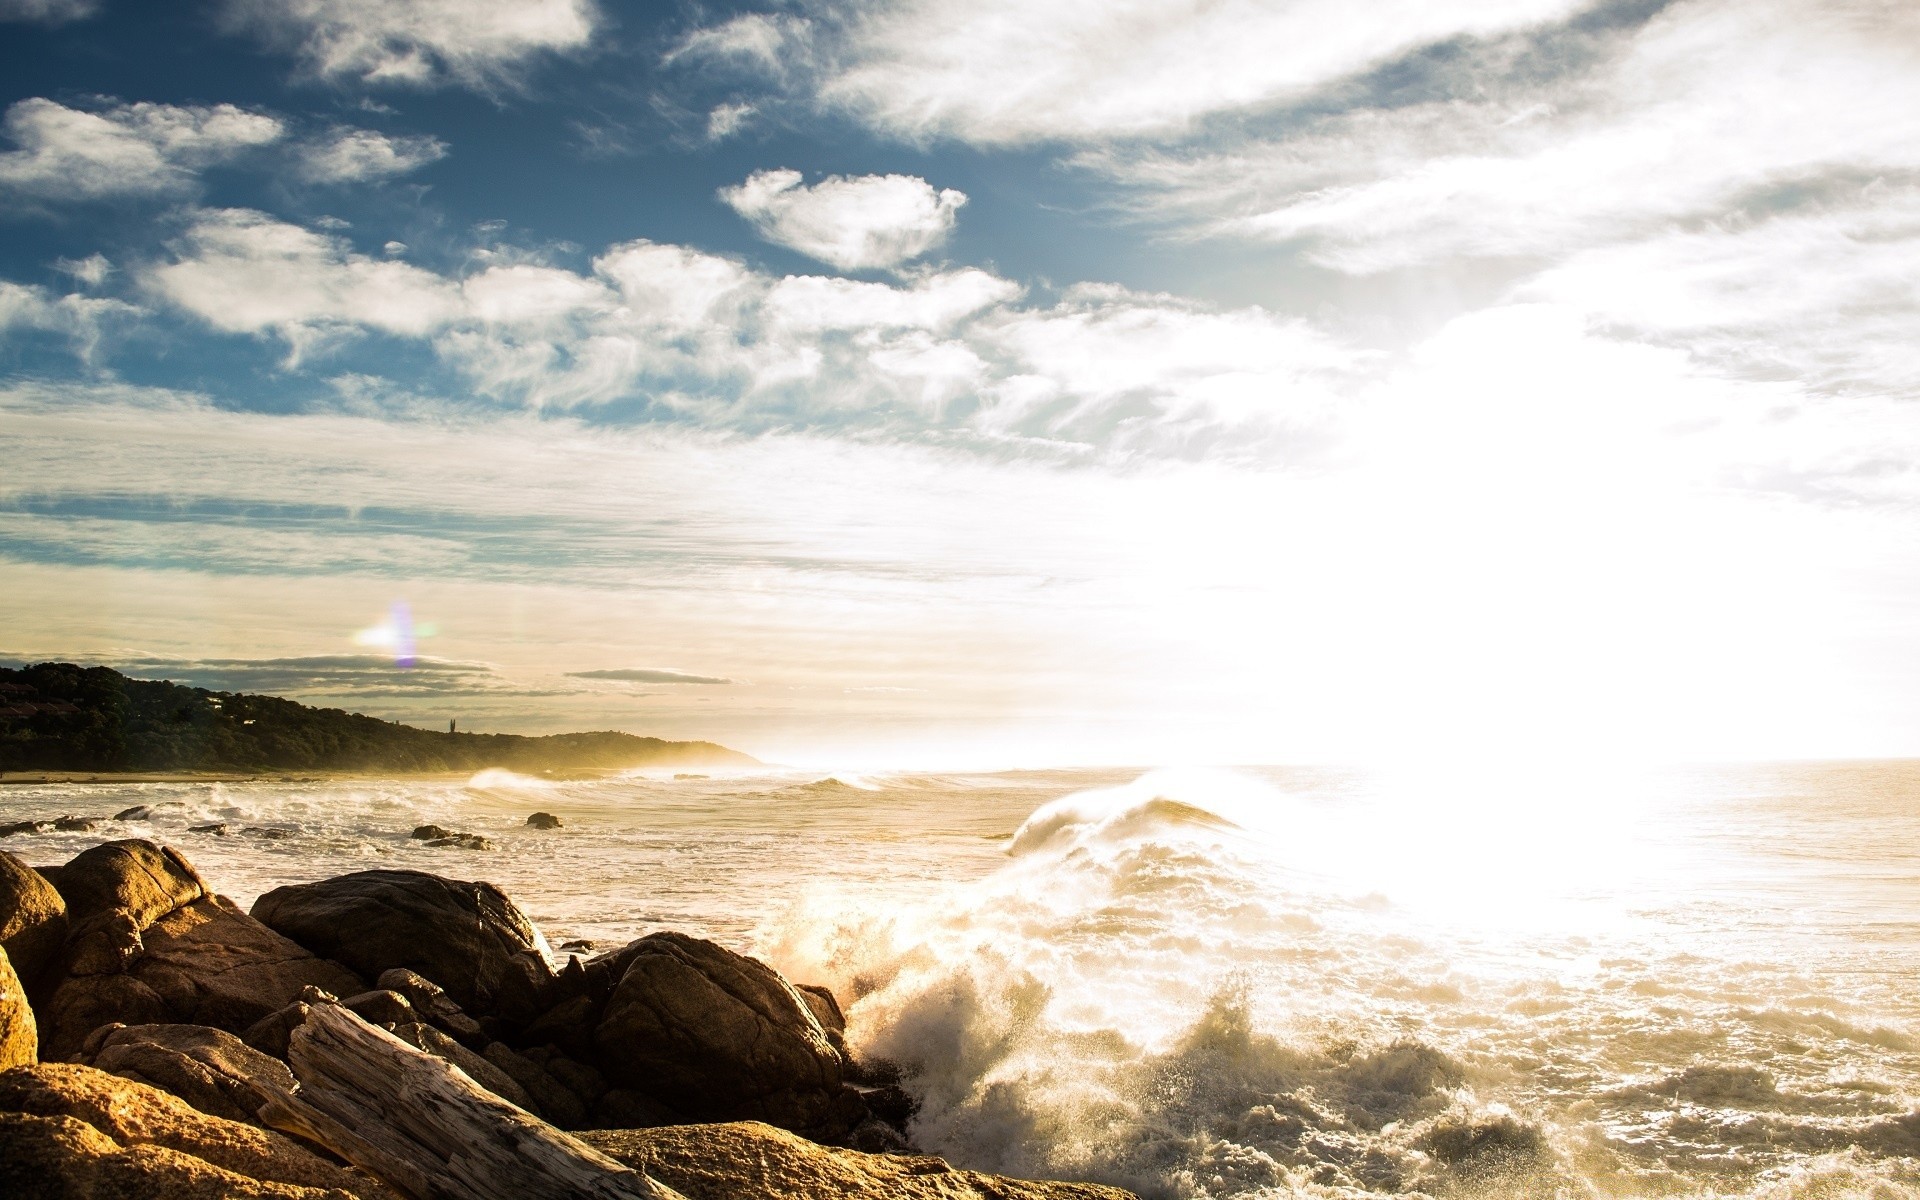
x=749 y=1161
x=33 y=920
x=210 y=1069
x=84 y=1003
x=714 y=1035
x=141 y=878
x=72 y=1131
x=19 y=1032
x=467 y=937
x=59 y=1158
x=205 y=963
x=215 y=965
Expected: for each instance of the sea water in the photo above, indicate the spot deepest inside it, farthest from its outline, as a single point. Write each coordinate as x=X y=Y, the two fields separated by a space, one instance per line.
x=1544 y=981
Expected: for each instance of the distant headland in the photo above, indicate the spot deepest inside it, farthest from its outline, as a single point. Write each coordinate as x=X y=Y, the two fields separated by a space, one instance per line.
x=61 y=717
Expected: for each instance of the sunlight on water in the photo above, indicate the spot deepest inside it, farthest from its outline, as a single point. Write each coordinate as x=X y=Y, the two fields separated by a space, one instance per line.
x=1288 y=982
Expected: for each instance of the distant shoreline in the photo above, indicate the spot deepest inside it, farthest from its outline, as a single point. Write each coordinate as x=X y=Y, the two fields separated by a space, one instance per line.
x=17 y=778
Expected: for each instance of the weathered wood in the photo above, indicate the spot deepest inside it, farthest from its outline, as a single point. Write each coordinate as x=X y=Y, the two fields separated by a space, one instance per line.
x=420 y=1124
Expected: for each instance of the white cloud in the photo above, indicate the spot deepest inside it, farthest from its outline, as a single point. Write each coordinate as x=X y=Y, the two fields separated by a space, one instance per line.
x=764 y=40
x=473 y=42
x=1003 y=72
x=47 y=12
x=852 y=223
x=91 y=270
x=245 y=272
x=819 y=302
x=727 y=119
x=124 y=149
x=80 y=319
x=362 y=155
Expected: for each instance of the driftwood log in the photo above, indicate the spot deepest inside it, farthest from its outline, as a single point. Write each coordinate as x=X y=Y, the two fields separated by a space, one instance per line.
x=421 y=1125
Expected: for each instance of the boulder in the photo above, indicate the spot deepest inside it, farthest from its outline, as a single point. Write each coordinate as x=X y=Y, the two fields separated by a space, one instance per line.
x=544 y=820
x=747 y=1160
x=206 y=963
x=33 y=920
x=143 y=879
x=210 y=1069
x=714 y=1035
x=552 y=1099
x=59 y=1158
x=469 y=938
x=215 y=965
x=83 y=1003
x=74 y=1131
x=19 y=1032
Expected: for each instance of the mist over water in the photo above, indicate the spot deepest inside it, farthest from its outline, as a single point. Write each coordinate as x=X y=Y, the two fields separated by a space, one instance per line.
x=1480 y=983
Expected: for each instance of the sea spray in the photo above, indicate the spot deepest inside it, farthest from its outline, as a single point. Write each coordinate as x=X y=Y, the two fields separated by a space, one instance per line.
x=1192 y=986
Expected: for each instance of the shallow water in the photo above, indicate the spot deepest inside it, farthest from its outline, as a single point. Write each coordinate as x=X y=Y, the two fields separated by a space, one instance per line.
x=1268 y=983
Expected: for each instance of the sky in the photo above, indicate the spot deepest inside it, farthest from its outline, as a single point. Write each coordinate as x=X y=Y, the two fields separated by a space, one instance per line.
x=988 y=383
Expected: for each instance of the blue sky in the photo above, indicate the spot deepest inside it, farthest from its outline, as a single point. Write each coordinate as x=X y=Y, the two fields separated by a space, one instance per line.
x=1251 y=381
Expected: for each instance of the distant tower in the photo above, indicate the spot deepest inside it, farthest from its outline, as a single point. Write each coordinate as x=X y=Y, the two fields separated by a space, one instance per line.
x=451 y=726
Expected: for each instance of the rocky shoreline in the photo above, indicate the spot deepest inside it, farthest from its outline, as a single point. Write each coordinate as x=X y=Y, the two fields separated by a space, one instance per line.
x=386 y=1033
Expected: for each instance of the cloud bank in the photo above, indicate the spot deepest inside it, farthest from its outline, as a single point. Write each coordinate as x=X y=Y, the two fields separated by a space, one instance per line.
x=475 y=43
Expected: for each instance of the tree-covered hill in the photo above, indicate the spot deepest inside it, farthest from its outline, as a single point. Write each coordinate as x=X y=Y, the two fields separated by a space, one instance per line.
x=62 y=717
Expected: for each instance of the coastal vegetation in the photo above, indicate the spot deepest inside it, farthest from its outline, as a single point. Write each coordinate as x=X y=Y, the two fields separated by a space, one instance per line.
x=57 y=716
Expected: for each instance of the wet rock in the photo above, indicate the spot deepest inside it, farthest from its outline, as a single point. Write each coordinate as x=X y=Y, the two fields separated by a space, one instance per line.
x=624 y=1108
x=142 y=878
x=210 y=1069
x=826 y=1009
x=711 y=1034
x=138 y=812
x=270 y=833
x=467 y=937
x=432 y=1004
x=431 y=833
x=462 y=841
x=72 y=1131
x=216 y=828
x=73 y=824
x=544 y=820
x=19 y=1032
x=33 y=920
x=747 y=1160
x=12 y=828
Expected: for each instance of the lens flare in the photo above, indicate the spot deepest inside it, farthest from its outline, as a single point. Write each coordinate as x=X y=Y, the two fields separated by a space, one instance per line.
x=398 y=635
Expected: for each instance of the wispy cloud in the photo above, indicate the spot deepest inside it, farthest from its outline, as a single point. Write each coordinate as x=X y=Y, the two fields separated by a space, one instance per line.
x=476 y=43
x=47 y=12
x=648 y=675
x=346 y=155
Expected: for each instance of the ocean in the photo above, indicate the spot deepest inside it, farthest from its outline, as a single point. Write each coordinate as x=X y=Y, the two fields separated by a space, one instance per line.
x=1476 y=981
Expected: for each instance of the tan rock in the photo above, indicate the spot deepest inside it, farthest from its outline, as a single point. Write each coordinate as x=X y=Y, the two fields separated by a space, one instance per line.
x=19 y=1033
x=83 y=1003
x=212 y=964
x=33 y=920
x=145 y=879
x=168 y=1135
x=210 y=1069
x=746 y=1160
x=60 y=1158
